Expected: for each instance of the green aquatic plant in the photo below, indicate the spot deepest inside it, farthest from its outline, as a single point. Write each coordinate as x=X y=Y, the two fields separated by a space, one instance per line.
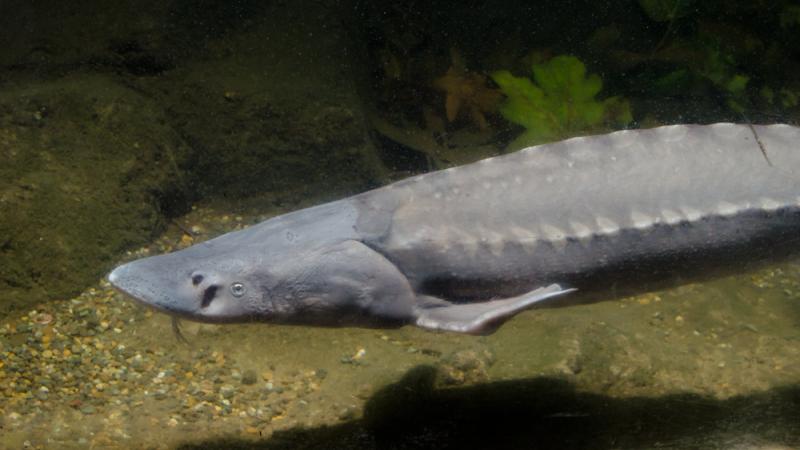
x=720 y=68
x=705 y=58
x=784 y=97
x=666 y=10
x=558 y=101
x=790 y=16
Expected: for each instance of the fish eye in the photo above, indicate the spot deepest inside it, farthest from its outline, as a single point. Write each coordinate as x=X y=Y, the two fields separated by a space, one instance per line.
x=238 y=289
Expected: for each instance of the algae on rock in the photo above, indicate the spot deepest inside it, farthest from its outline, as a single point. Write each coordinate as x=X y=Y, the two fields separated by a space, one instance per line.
x=84 y=165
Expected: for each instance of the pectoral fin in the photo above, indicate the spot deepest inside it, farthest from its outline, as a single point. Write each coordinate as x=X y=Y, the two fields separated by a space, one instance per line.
x=478 y=318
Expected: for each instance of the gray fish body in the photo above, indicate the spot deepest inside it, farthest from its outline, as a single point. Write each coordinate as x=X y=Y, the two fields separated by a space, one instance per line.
x=464 y=249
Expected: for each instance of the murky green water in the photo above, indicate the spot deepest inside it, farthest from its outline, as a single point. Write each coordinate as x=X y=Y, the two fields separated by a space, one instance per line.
x=116 y=117
x=715 y=364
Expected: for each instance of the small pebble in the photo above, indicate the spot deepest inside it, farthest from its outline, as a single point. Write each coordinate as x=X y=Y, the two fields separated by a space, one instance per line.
x=249 y=377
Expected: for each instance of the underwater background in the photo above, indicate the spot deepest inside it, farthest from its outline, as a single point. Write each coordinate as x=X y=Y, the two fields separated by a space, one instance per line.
x=130 y=129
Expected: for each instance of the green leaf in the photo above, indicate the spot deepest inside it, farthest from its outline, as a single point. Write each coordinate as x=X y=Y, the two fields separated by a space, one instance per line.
x=737 y=84
x=524 y=101
x=673 y=81
x=559 y=101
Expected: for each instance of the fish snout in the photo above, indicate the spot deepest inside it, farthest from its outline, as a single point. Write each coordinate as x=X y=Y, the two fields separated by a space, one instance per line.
x=153 y=284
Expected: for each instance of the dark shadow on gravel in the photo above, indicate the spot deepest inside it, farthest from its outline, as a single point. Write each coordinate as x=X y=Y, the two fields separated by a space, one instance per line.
x=545 y=413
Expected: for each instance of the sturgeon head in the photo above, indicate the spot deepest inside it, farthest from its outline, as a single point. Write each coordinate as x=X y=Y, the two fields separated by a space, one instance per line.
x=305 y=267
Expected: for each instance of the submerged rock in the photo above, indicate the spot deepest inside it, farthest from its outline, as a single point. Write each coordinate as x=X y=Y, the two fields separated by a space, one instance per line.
x=84 y=161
